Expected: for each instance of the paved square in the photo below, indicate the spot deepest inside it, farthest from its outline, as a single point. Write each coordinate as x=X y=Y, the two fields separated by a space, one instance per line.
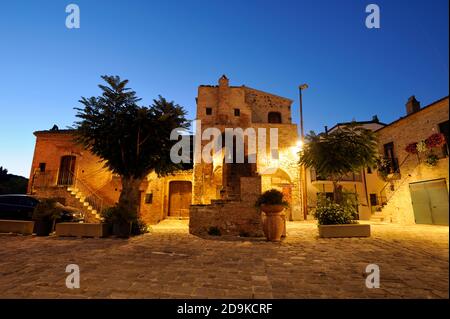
x=170 y=263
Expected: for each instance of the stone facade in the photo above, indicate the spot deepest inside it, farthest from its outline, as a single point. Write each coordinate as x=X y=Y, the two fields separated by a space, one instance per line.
x=417 y=125
x=224 y=106
x=63 y=169
x=98 y=186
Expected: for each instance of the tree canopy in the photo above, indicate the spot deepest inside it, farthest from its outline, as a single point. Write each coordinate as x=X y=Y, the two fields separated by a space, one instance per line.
x=133 y=140
x=333 y=155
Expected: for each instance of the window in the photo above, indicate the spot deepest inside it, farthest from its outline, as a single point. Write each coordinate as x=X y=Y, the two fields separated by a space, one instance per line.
x=389 y=156
x=237 y=112
x=274 y=117
x=373 y=200
x=443 y=128
x=369 y=170
x=149 y=198
x=208 y=111
x=42 y=167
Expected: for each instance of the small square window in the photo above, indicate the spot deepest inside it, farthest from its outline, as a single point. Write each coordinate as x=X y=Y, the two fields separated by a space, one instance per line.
x=208 y=111
x=149 y=198
x=237 y=112
x=42 y=167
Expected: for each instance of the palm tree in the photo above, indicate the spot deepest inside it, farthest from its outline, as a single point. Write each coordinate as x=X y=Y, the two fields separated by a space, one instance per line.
x=334 y=155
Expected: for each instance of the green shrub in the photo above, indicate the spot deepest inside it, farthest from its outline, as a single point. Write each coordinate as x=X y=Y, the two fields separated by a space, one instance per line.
x=214 y=231
x=139 y=227
x=47 y=210
x=329 y=213
x=271 y=197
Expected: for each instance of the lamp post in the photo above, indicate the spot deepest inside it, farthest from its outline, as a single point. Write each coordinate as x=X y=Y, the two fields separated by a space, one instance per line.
x=303 y=168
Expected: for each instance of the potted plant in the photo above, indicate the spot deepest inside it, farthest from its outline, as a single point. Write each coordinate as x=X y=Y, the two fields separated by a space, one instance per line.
x=272 y=204
x=44 y=216
x=339 y=220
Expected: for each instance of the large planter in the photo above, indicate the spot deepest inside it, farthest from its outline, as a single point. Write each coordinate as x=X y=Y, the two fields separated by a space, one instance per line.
x=23 y=227
x=273 y=221
x=43 y=227
x=122 y=230
x=345 y=230
x=81 y=230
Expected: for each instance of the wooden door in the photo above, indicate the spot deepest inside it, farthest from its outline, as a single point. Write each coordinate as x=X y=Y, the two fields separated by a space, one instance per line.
x=66 y=170
x=180 y=196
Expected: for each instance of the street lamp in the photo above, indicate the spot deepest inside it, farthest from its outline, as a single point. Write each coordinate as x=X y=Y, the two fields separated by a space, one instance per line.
x=302 y=140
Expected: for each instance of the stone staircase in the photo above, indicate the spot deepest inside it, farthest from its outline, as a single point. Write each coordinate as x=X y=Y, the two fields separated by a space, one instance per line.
x=91 y=213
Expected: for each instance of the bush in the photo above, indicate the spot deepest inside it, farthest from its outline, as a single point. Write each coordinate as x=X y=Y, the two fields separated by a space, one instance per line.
x=139 y=227
x=214 y=231
x=271 y=197
x=47 y=210
x=114 y=214
x=329 y=213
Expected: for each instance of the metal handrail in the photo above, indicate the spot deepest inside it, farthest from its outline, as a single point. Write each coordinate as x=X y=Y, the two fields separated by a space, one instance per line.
x=90 y=195
x=394 y=172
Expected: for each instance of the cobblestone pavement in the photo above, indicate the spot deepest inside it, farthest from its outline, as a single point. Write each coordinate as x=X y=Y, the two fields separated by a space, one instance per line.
x=170 y=263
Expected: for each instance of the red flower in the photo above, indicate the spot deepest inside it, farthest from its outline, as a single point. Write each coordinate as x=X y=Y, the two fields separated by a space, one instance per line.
x=435 y=140
x=412 y=148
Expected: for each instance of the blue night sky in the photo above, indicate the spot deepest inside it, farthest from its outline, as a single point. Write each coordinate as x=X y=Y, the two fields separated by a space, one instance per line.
x=171 y=47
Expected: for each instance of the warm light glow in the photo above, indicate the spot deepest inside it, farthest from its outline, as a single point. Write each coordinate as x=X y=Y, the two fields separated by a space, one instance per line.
x=297 y=148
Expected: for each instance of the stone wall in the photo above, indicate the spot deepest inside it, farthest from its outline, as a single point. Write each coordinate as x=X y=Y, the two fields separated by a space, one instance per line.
x=412 y=128
x=238 y=218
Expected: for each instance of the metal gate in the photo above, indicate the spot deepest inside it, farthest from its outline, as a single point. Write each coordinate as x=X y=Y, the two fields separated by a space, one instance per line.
x=430 y=202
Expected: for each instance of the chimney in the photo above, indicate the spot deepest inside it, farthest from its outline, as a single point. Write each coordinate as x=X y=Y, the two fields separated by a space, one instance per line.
x=223 y=81
x=412 y=106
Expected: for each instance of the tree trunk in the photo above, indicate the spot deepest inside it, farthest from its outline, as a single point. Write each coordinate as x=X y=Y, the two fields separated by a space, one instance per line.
x=130 y=195
x=338 y=197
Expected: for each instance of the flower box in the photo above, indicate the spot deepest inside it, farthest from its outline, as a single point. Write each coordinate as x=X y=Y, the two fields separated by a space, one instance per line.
x=81 y=230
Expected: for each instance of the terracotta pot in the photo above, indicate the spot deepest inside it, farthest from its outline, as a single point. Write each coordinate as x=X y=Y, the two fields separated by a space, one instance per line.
x=270 y=209
x=274 y=226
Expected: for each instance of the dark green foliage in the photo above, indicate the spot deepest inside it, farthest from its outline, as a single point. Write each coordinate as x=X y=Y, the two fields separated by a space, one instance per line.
x=12 y=184
x=214 y=231
x=115 y=215
x=47 y=210
x=139 y=227
x=345 y=150
x=271 y=197
x=133 y=140
x=329 y=213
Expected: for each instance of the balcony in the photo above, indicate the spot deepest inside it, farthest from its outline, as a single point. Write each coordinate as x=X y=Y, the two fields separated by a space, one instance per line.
x=352 y=177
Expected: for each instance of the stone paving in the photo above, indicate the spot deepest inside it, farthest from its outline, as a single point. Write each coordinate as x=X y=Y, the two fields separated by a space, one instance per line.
x=170 y=263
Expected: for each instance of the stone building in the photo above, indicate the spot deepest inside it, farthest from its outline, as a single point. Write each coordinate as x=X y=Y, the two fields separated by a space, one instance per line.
x=65 y=170
x=414 y=192
x=225 y=193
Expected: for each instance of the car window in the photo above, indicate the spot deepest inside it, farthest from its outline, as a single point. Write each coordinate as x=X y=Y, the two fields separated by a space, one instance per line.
x=27 y=201
x=5 y=199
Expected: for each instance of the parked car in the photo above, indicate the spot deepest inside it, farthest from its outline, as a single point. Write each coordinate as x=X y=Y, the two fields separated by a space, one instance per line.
x=21 y=207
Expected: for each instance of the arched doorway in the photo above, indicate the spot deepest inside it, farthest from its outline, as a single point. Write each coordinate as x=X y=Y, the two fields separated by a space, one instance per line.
x=66 y=174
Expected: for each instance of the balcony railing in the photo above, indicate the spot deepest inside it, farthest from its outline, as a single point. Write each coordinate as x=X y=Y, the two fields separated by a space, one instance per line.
x=352 y=177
